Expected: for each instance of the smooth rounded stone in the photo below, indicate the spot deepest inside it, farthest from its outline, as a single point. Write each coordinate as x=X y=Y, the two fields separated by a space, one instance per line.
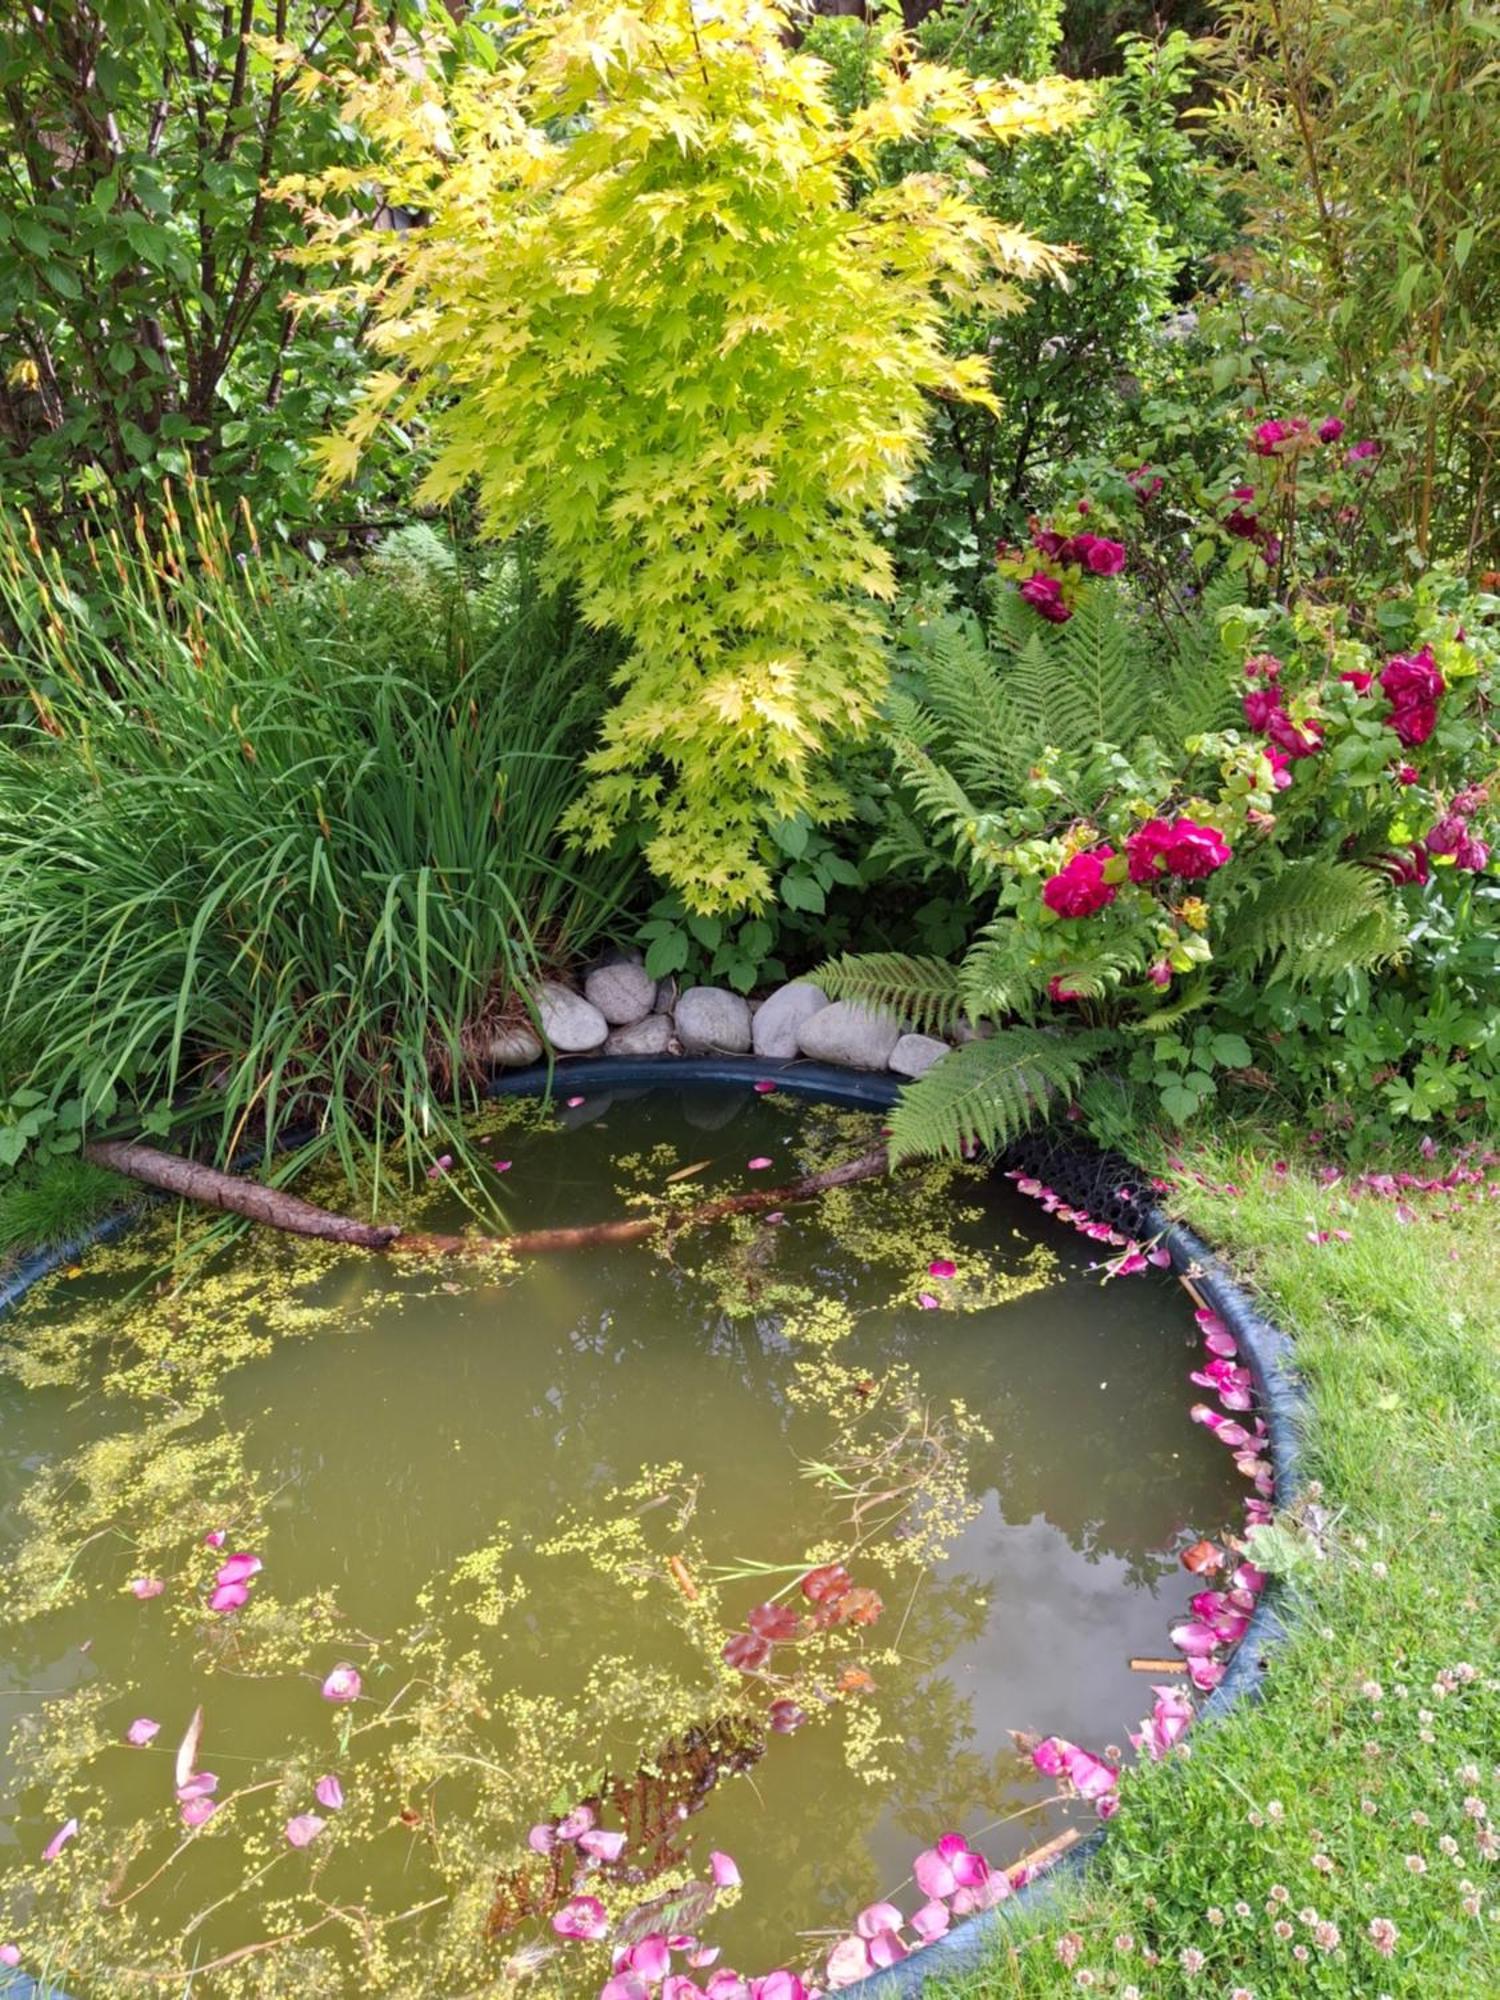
x=784 y=1011
x=713 y=1021
x=848 y=1034
x=651 y=1037
x=914 y=1055
x=623 y=992
x=965 y=1031
x=515 y=1047
x=570 y=1023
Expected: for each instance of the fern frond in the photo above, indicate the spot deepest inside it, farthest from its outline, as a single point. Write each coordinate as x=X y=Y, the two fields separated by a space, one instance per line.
x=1316 y=919
x=1188 y=1000
x=962 y=704
x=921 y=992
x=1203 y=687
x=986 y=1093
x=1000 y=971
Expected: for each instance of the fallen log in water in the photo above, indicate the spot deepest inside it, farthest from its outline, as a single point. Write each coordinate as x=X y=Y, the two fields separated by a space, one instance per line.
x=232 y=1194
x=192 y=1181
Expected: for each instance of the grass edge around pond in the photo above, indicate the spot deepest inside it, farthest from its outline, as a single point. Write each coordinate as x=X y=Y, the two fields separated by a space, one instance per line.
x=1364 y=1790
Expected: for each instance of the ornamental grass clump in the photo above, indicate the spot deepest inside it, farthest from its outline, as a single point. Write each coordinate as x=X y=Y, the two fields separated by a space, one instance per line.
x=250 y=885
x=654 y=297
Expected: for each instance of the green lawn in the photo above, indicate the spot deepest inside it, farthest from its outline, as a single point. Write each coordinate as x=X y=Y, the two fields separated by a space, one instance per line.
x=1359 y=1804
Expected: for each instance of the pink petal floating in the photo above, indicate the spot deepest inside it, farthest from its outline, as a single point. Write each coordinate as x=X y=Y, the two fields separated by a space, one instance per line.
x=239 y=1569
x=197 y=1812
x=764 y=1087
x=440 y=1167
x=887 y=1949
x=141 y=1731
x=758 y=1164
x=724 y=1869
x=603 y=1846
x=576 y=1822
x=1049 y=1757
x=942 y=1267
x=778 y=1985
x=1205 y=1674
x=848 y=1961
x=329 y=1792
x=1107 y=1805
x=574 y=1102
x=1194 y=1638
x=146 y=1586
x=786 y=1717
x=10 y=1955
x=199 y=1785
x=650 y=1958
x=1248 y=1577
x=501 y=1166
x=1161 y=1257
x=678 y=1986
x=304 y=1829
x=625 y=1986
x=746 y=1650
x=932 y=1920
x=343 y=1684
x=229 y=1597
x=542 y=1839
x=704 y=1955
x=878 y=1917
x=933 y=1875
x=727 y=1985
x=581 y=1917
x=60 y=1840
x=215 y=1538
x=927 y=1302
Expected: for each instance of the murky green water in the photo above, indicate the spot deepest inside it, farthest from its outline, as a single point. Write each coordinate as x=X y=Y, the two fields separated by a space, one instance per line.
x=530 y=1505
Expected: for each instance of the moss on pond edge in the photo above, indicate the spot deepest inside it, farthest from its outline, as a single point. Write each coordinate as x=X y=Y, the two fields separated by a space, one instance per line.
x=1089 y=1179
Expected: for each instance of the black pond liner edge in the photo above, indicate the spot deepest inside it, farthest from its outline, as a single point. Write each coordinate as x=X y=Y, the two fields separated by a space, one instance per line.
x=1100 y=1182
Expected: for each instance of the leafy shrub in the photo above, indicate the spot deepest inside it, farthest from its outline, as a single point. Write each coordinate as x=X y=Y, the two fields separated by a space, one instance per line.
x=658 y=301
x=143 y=329
x=1199 y=843
x=249 y=883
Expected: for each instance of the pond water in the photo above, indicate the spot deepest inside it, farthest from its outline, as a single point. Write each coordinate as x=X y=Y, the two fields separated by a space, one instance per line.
x=529 y=1504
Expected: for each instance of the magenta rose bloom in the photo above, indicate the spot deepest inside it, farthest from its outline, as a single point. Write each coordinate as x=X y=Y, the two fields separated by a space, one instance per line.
x=1044 y=594
x=1048 y=542
x=1058 y=992
x=1361 y=453
x=1330 y=430
x=1260 y=705
x=1280 y=763
x=1471 y=854
x=1145 y=849
x=1448 y=835
x=1098 y=555
x=1268 y=436
x=1079 y=889
x=1412 y=677
x=1358 y=678
x=1414 y=722
x=1195 y=851
x=1303 y=742
x=1245 y=527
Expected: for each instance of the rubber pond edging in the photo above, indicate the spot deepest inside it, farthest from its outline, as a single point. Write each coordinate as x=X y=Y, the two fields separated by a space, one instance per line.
x=1266 y=1350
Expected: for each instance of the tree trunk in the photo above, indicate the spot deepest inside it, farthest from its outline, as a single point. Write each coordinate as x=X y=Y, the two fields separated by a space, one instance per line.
x=252 y=1199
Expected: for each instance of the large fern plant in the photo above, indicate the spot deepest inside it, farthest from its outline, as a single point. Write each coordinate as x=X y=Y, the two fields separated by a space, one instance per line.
x=1015 y=744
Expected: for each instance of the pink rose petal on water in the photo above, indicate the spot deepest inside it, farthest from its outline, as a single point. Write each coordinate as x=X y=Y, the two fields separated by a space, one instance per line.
x=1194 y=1638
x=304 y=1829
x=764 y=1087
x=932 y=1920
x=727 y=1985
x=501 y=1166
x=942 y=1267
x=141 y=1731
x=679 y=1987
x=197 y=1812
x=848 y=1961
x=229 y=1597
x=10 y=1955
x=574 y=1102
x=146 y=1586
x=199 y=1785
x=440 y=1167
x=887 y=1949
x=60 y=1840
x=343 y=1684
x=933 y=1875
x=928 y=1303
x=215 y=1538
x=724 y=1869
x=1205 y=1674
x=581 y=1917
x=577 y=1822
x=704 y=1955
x=542 y=1839
x=650 y=1958
x=603 y=1846
x=239 y=1569
x=625 y=1986
x=778 y=1985
x=758 y=1164
x=878 y=1917
x=329 y=1792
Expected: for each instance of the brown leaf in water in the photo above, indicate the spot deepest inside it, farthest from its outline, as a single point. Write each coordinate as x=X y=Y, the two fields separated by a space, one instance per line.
x=859 y=1607
x=687 y=1173
x=1203 y=1558
x=854 y=1680
x=680 y=1574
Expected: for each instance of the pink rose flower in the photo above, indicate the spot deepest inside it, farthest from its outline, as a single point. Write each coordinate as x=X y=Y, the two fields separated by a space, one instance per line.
x=1145 y=850
x=1044 y=595
x=1269 y=436
x=1330 y=430
x=1079 y=889
x=1260 y=705
x=1195 y=851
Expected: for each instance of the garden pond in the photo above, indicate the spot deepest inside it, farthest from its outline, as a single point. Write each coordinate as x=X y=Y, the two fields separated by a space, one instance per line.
x=373 y=1624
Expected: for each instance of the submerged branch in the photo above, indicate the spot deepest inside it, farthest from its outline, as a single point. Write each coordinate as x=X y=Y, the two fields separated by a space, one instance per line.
x=191 y=1181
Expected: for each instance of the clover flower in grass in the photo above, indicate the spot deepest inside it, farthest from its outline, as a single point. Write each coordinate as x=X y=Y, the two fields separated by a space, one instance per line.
x=1192 y=1961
